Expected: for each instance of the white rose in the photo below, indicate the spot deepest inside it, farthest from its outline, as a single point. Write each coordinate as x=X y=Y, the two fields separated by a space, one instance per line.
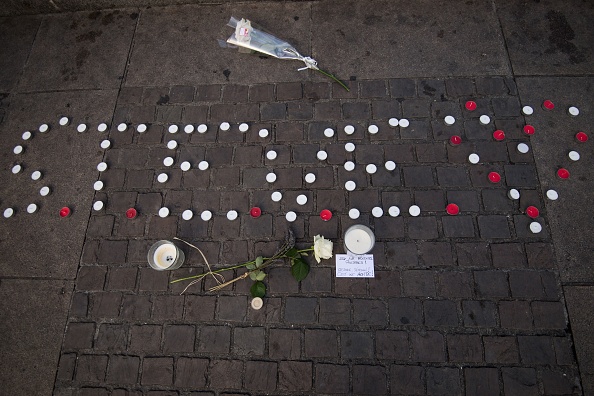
x=322 y=248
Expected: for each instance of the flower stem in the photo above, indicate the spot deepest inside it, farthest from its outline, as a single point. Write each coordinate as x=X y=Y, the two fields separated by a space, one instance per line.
x=330 y=75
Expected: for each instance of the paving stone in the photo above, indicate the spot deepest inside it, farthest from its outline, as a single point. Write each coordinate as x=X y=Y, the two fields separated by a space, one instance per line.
x=273 y=111
x=416 y=108
x=467 y=201
x=66 y=367
x=427 y=346
x=91 y=368
x=356 y=345
x=112 y=337
x=93 y=392
x=391 y=345
x=335 y=311
x=356 y=110
x=407 y=380
x=548 y=315
x=521 y=175
x=214 y=339
x=441 y=313
x=249 y=341
x=430 y=200
x=289 y=132
x=402 y=88
x=289 y=91
x=526 y=284
x=457 y=87
x=321 y=343
x=331 y=378
x=465 y=348
x=496 y=201
x=299 y=111
x=369 y=380
x=493 y=226
x=432 y=88
x=479 y=313
x=508 y=255
x=515 y=315
x=501 y=349
x=454 y=284
x=101 y=226
x=157 y=371
x=168 y=307
x=284 y=344
x=452 y=177
x=191 y=372
x=481 y=381
x=261 y=375
x=91 y=278
x=369 y=312
x=418 y=176
x=519 y=381
x=105 y=305
x=326 y=111
x=560 y=383
x=385 y=284
x=506 y=107
x=295 y=376
x=301 y=310
x=280 y=280
x=491 y=284
x=136 y=307
x=261 y=93
x=319 y=280
x=80 y=303
x=145 y=338
x=491 y=86
x=153 y=280
x=458 y=227
x=405 y=311
x=540 y=255
x=79 y=336
x=123 y=369
x=422 y=227
x=225 y=374
x=314 y=91
x=385 y=109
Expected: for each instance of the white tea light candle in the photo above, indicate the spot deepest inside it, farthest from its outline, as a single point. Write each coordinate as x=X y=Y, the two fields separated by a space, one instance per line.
x=164 y=256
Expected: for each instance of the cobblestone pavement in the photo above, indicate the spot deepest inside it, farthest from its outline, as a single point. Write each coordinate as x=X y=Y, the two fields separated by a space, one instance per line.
x=472 y=304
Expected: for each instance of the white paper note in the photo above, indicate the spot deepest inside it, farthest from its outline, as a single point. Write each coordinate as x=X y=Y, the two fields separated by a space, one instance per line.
x=354 y=266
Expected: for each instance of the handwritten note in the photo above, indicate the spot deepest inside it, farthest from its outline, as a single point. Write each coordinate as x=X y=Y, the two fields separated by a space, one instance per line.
x=354 y=266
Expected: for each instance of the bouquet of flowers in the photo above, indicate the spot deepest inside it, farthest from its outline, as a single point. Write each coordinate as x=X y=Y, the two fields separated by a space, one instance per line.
x=249 y=38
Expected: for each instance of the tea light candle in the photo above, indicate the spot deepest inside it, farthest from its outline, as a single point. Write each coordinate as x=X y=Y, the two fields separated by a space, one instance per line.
x=322 y=155
x=527 y=110
x=359 y=239
x=371 y=169
x=310 y=178
x=64 y=121
x=257 y=303
x=349 y=147
x=26 y=135
x=350 y=185
x=529 y=129
x=349 y=166
x=403 y=123
x=563 y=173
x=354 y=213
x=243 y=127
x=485 y=119
x=206 y=215
x=276 y=196
x=173 y=128
x=393 y=122
x=187 y=214
x=36 y=175
x=98 y=205
x=513 y=194
x=122 y=127
x=494 y=177
x=203 y=165
x=581 y=137
x=291 y=217
x=470 y=105
x=455 y=140
x=390 y=165
x=349 y=129
x=202 y=128
x=32 y=208
x=189 y=128
x=552 y=195
x=473 y=158
x=522 y=148
x=43 y=128
x=81 y=128
x=101 y=166
x=255 y=212
x=17 y=169
x=165 y=256
x=377 y=211
x=263 y=133
x=102 y=127
x=394 y=211
x=98 y=185
x=499 y=135
x=18 y=149
x=548 y=105
x=452 y=209
x=105 y=144
x=449 y=120
x=532 y=212
x=8 y=212
x=224 y=126
x=131 y=213
x=44 y=191
x=168 y=161
x=326 y=215
x=231 y=215
x=414 y=210
x=271 y=177
x=301 y=199
x=372 y=129
x=65 y=212
x=162 y=178
x=574 y=155
x=573 y=111
x=172 y=145
x=141 y=128
x=535 y=227
x=271 y=155
x=329 y=132
x=185 y=166
x=163 y=212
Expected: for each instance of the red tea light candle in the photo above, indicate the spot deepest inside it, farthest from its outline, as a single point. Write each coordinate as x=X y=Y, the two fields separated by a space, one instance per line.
x=470 y=105
x=455 y=140
x=131 y=213
x=499 y=135
x=65 y=212
x=494 y=177
x=532 y=212
x=563 y=173
x=452 y=209
x=581 y=137
x=326 y=215
x=529 y=130
x=548 y=105
x=255 y=212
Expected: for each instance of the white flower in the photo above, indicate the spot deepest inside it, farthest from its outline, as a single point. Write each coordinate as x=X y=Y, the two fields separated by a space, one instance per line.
x=322 y=248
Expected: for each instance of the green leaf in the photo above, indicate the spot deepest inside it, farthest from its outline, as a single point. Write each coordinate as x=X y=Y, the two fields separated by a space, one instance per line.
x=300 y=270
x=261 y=275
x=251 y=266
x=304 y=254
x=293 y=253
x=259 y=261
x=254 y=275
x=258 y=289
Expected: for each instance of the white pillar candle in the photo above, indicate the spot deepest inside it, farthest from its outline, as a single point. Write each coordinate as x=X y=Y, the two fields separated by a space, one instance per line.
x=81 y=127
x=203 y=165
x=271 y=155
x=359 y=239
x=310 y=178
x=349 y=129
x=527 y=110
x=162 y=178
x=231 y=215
x=322 y=155
x=393 y=122
x=102 y=127
x=349 y=166
x=101 y=166
x=189 y=128
x=328 y=132
x=371 y=169
x=291 y=217
x=122 y=127
x=172 y=144
x=271 y=177
x=202 y=128
x=206 y=215
x=185 y=166
x=354 y=213
x=373 y=129
x=105 y=144
x=26 y=135
x=187 y=214
x=168 y=161
x=263 y=133
x=64 y=121
x=141 y=128
x=163 y=212
x=449 y=120
x=390 y=165
x=43 y=128
x=301 y=199
x=165 y=256
x=403 y=123
x=173 y=128
x=522 y=148
x=350 y=185
x=18 y=149
x=484 y=119
x=225 y=126
x=349 y=147
x=243 y=127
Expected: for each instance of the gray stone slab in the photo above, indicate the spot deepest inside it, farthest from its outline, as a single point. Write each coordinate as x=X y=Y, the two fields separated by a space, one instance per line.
x=43 y=244
x=16 y=35
x=32 y=318
x=422 y=38
x=548 y=37
x=178 y=45
x=80 y=51
x=579 y=304
x=569 y=217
